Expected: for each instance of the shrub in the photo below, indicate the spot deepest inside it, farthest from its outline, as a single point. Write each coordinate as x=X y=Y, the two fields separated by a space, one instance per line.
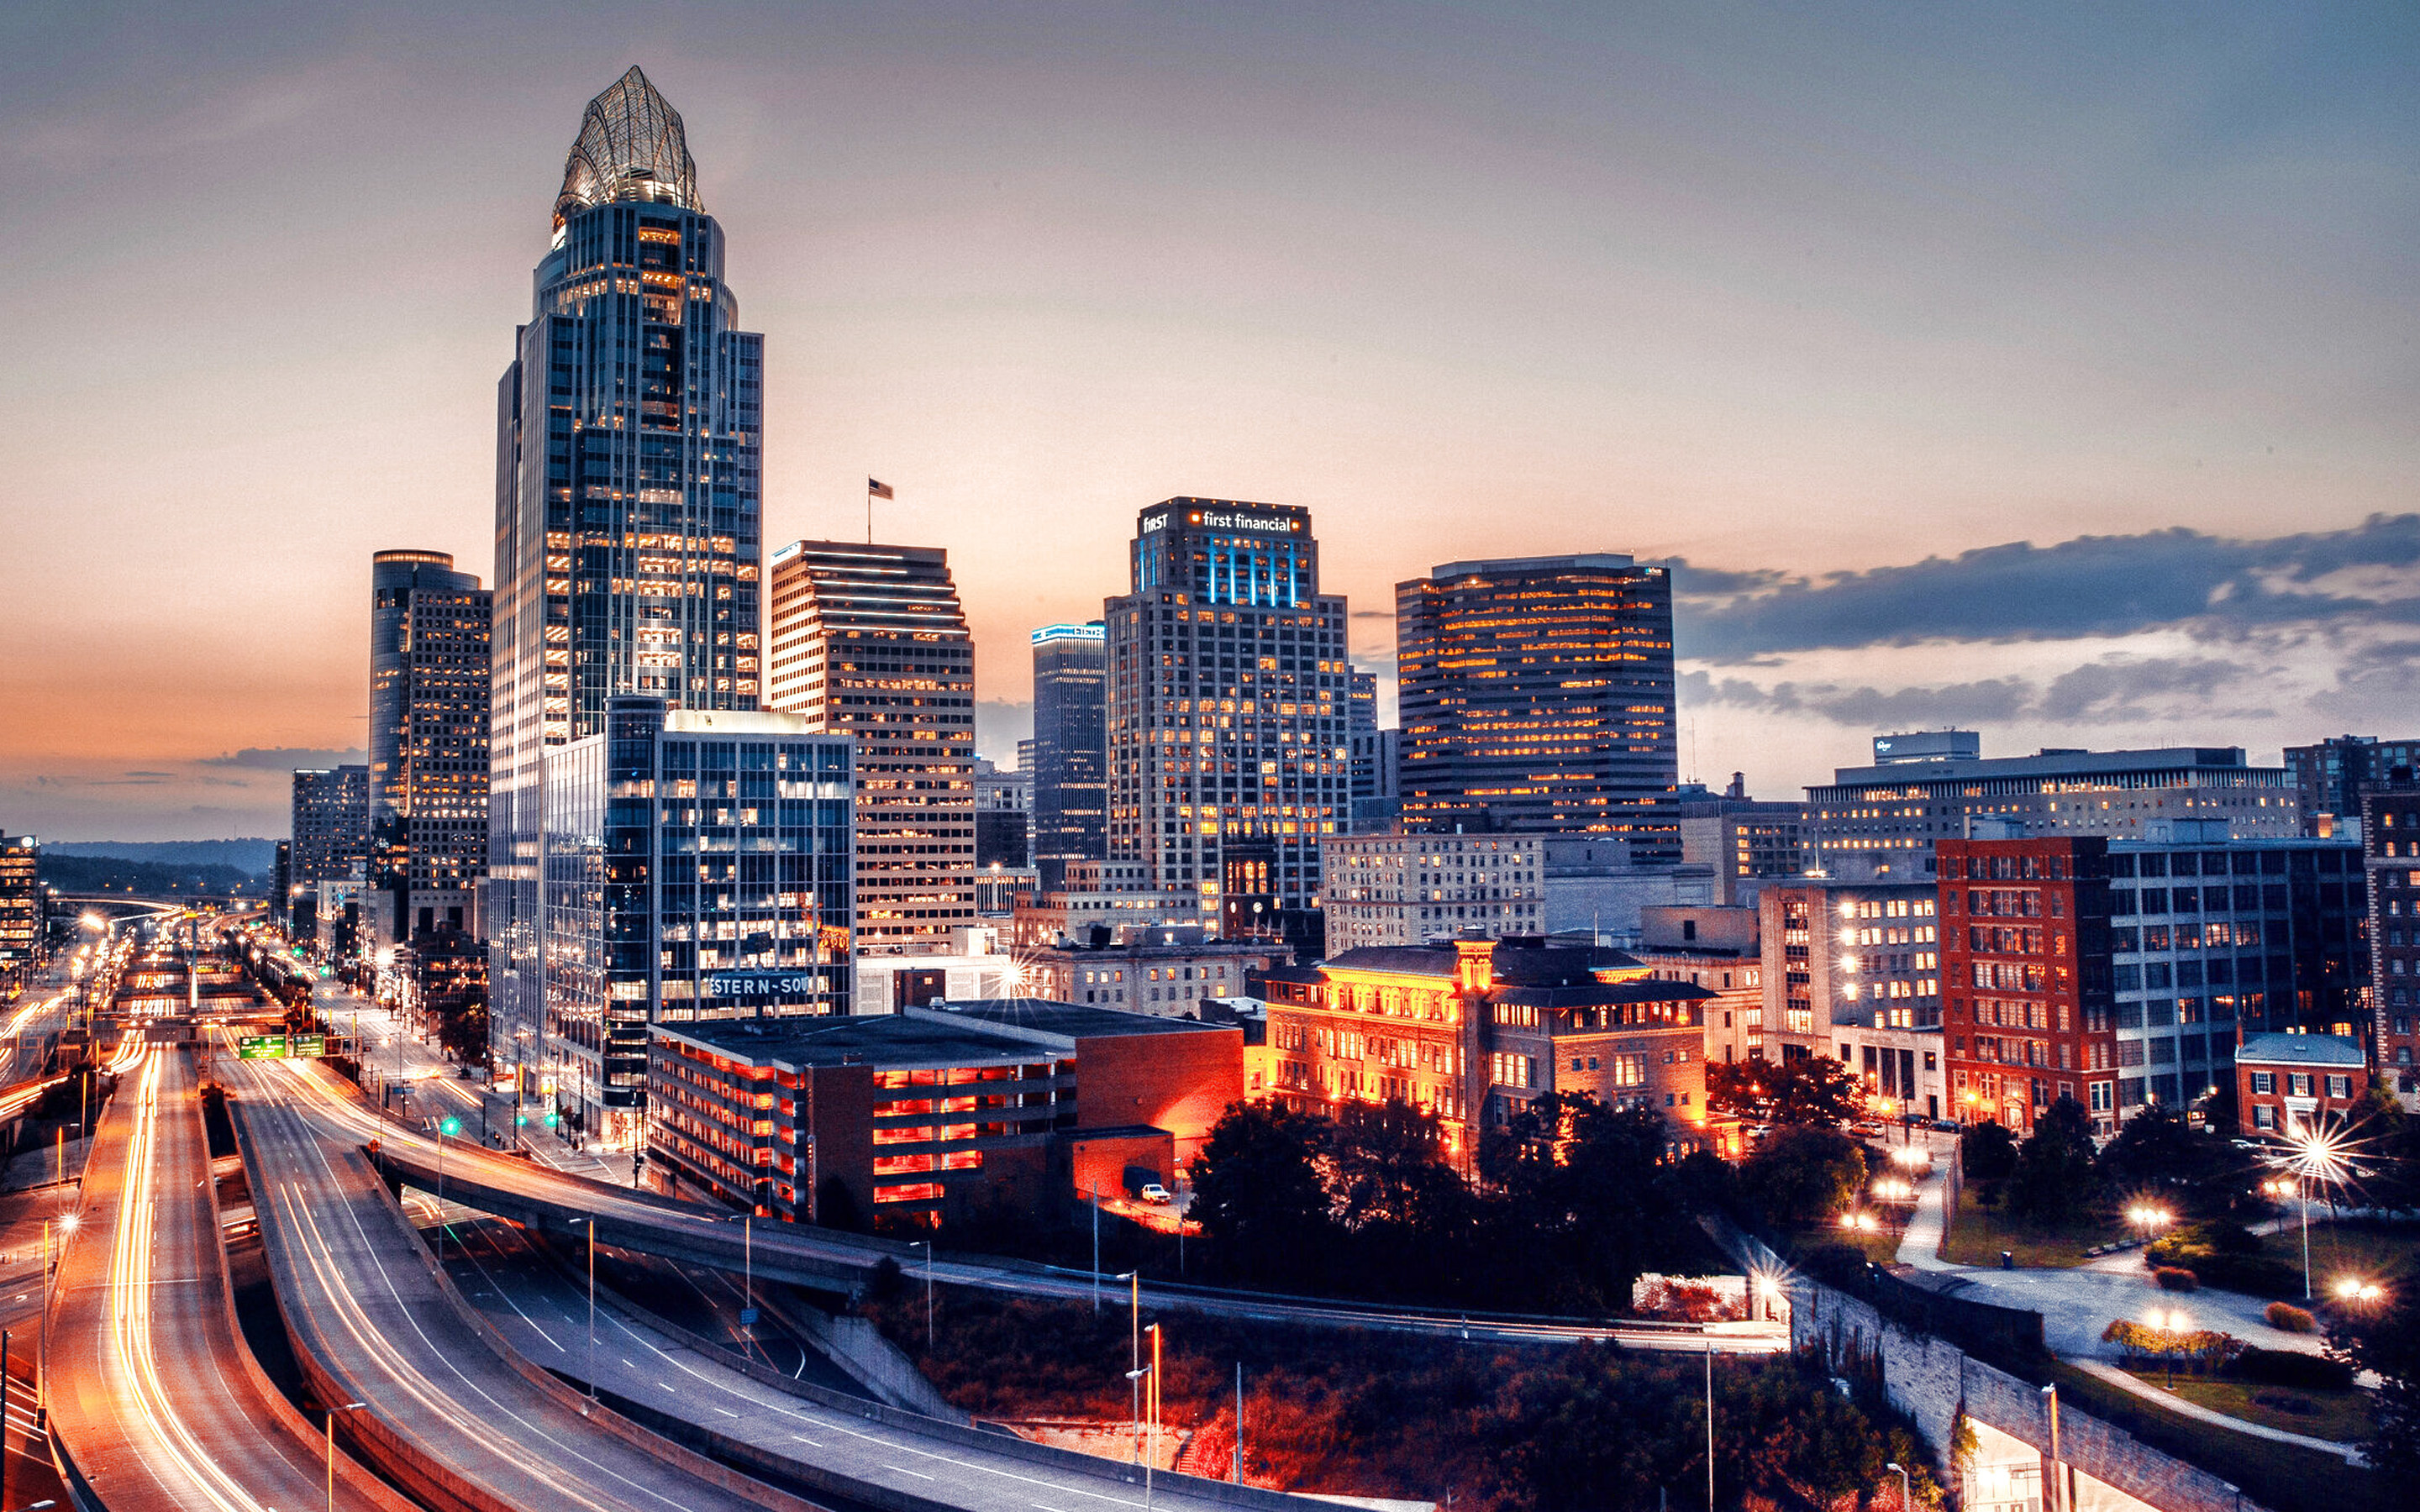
x=2176 y=1278
x=2286 y=1318
x=2290 y=1368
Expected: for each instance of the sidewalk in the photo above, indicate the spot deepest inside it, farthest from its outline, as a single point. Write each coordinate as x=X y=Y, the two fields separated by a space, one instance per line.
x=1928 y=1225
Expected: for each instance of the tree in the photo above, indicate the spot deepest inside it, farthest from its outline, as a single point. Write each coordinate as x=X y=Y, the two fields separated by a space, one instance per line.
x=1258 y=1194
x=1987 y=1152
x=1411 y=1218
x=1582 y=1182
x=2054 y=1178
x=1808 y=1089
x=1804 y=1175
x=2385 y=1338
x=2159 y=1150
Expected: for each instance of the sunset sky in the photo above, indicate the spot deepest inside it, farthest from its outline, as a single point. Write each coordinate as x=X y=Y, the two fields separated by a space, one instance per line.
x=2047 y=370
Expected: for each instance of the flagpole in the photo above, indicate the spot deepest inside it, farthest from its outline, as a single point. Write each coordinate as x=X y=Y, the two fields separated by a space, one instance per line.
x=869 y=511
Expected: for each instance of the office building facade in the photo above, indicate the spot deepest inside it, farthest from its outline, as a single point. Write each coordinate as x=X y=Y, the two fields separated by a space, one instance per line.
x=1227 y=694
x=429 y=665
x=1837 y=951
x=909 y=1120
x=628 y=498
x=1537 y=694
x=2330 y=775
x=697 y=868
x=21 y=903
x=2028 y=1009
x=1070 y=748
x=1746 y=841
x=1902 y=807
x=329 y=814
x=869 y=642
x=2390 y=838
x=1003 y=817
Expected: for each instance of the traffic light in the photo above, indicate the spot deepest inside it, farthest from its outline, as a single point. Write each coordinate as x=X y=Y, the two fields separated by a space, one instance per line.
x=450 y=1128
x=521 y=1121
x=552 y=1119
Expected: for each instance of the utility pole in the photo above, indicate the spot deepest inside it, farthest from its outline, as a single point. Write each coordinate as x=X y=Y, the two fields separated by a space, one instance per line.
x=1096 y=1247
x=1239 y=1425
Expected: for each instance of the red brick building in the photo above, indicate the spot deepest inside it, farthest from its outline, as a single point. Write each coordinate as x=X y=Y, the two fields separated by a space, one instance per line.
x=2286 y=1083
x=939 y=1112
x=2025 y=1004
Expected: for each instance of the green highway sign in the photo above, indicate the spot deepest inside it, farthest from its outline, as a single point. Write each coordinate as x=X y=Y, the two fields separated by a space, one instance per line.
x=307 y=1044
x=260 y=1047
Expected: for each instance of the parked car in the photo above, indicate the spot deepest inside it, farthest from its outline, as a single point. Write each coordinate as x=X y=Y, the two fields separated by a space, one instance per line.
x=1154 y=1192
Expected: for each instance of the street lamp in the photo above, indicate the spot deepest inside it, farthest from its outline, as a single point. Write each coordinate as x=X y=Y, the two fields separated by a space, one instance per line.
x=2172 y=1325
x=348 y=1407
x=928 y=1295
x=1904 y=1495
x=2149 y=1219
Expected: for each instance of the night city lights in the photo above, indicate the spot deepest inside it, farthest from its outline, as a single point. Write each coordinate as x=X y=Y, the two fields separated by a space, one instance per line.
x=1013 y=757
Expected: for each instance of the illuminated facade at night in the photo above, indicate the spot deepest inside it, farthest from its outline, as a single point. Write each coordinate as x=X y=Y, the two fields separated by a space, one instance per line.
x=628 y=554
x=1536 y=694
x=1473 y=1030
x=21 y=902
x=696 y=869
x=429 y=666
x=869 y=642
x=1227 y=691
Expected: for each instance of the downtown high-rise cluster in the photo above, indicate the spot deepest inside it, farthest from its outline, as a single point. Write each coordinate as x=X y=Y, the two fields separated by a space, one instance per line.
x=663 y=776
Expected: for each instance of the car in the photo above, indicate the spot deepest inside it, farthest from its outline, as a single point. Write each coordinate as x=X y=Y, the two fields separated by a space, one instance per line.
x=1152 y=1192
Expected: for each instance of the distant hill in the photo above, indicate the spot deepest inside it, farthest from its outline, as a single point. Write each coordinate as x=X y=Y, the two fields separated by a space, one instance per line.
x=83 y=875
x=250 y=854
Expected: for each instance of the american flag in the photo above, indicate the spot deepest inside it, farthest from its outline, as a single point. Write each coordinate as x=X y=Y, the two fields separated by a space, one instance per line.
x=878 y=490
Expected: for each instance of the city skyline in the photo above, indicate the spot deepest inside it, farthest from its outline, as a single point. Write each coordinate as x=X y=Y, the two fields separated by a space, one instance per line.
x=2160 y=331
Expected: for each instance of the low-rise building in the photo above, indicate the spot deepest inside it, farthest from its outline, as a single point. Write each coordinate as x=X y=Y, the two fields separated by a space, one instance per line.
x=1904 y=1070
x=1471 y=1030
x=2287 y=1083
x=1742 y=841
x=1168 y=970
x=1714 y=948
x=1860 y=947
x=1112 y=895
x=1402 y=887
x=909 y=1120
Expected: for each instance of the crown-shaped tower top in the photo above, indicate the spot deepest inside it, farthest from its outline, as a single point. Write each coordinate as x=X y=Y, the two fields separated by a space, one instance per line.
x=630 y=147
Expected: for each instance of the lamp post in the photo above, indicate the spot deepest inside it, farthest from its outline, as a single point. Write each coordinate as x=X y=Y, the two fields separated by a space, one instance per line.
x=928 y=1295
x=1151 y=1460
x=1905 y=1498
x=2058 y=1502
x=1134 y=1347
x=592 y=1308
x=348 y=1407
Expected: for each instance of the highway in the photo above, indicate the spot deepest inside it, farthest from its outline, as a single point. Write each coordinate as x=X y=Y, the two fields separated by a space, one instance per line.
x=450 y=1417
x=866 y=1449
x=151 y=1392
x=824 y=1258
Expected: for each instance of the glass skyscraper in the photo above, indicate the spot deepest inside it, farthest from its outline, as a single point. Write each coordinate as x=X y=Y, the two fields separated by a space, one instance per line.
x=1536 y=694
x=429 y=665
x=1070 y=748
x=1227 y=692
x=627 y=549
x=696 y=866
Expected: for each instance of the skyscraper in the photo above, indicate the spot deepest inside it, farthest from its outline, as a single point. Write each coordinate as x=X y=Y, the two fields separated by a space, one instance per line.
x=1536 y=694
x=330 y=819
x=628 y=555
x=869 y=641
x=1070 y=749
x=1227 y=697
x=21 y=903
x=429 y=743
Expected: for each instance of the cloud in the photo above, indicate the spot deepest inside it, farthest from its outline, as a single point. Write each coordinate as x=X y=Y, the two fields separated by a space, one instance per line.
x=2217 y=587
x=284 y=758
x=2116 y=690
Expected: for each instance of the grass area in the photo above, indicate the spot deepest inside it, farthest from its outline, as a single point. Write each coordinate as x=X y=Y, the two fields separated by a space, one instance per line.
x=1977 y=1235
x=2285 y=1476
x=2373 y=1252
x=1880 y=1246
x=2342 y=1416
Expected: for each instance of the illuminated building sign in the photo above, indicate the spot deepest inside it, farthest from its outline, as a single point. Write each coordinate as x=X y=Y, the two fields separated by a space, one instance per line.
x=1229 y=517
x=746 y=984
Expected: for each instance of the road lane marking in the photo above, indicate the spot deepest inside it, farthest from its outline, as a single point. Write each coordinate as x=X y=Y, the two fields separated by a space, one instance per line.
x=918 y=1474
